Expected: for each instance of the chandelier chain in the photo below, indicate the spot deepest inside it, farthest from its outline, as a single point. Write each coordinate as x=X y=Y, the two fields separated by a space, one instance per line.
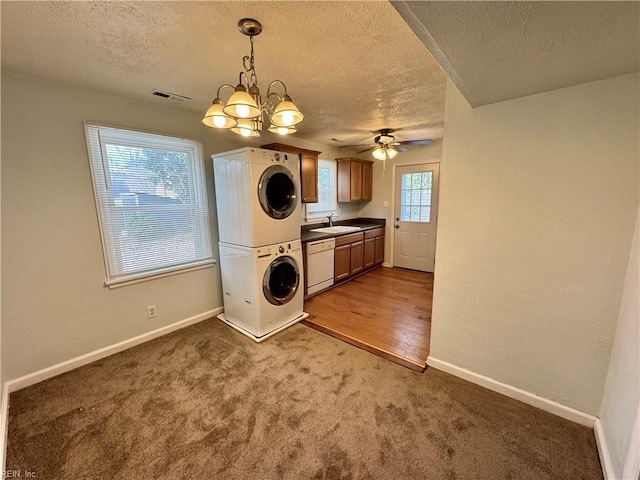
x=249 y=66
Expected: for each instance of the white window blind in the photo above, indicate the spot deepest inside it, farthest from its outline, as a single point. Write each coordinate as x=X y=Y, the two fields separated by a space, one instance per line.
x=326 y=191
x=152 y=203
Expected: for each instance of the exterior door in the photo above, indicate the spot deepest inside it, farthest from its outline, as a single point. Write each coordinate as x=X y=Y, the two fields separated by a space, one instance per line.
x=416 y=213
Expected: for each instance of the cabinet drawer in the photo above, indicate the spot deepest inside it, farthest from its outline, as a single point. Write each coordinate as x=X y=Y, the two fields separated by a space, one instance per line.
x=346 y=239
x=376 y=232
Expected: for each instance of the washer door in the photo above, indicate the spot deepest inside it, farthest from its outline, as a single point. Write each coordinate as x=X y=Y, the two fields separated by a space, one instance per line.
x=281 y=280
x=277 y=192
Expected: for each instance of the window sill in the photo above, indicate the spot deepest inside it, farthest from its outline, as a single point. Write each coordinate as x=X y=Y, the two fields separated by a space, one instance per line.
x=134 y=279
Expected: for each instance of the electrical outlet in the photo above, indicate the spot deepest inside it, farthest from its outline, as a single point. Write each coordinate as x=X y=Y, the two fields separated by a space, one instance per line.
x=151 y=311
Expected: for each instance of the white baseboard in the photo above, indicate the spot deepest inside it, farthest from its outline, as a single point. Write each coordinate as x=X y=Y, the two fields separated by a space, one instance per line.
x=4 y=421
x=49 y=372
x=388 y=265
x=603 y=451
x=523 y=396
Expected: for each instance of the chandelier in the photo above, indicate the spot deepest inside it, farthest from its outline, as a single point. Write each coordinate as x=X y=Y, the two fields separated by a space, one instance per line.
x=245 y=111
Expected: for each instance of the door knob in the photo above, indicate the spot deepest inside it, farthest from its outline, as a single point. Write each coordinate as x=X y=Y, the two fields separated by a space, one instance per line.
x=397 y=226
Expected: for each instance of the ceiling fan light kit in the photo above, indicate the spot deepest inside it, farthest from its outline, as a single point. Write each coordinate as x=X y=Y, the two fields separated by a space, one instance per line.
x=245 y=110
x=384 y=152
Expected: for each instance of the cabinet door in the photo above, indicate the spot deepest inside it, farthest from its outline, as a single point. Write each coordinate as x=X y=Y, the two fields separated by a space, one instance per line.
x=357 y=257
x=379 y=258
x=369 y=252
x=356 y=180
x=342 y=263
x=309 y=177
x=344 y=180
x=367 y=180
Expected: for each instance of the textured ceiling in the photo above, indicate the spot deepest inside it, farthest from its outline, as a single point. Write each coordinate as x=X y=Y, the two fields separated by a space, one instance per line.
x=495 y=51
x=351 y=67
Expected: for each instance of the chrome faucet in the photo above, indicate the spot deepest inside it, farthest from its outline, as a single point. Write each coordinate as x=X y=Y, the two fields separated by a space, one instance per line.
x=330 y=217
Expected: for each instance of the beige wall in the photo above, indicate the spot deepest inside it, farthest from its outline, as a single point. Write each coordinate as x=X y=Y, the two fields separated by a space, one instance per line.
x=54 y=303
x=538 y=198
x=383 y=186
x=621 y=400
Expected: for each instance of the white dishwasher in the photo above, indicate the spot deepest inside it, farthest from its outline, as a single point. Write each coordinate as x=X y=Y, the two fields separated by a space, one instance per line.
x=320 y=265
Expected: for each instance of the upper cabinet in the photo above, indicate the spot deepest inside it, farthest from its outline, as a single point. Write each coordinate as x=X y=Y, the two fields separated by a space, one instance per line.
x=355 y=177
x=308 y=169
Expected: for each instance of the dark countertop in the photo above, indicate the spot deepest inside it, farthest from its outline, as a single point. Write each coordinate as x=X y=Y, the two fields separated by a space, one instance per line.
x=364 y=223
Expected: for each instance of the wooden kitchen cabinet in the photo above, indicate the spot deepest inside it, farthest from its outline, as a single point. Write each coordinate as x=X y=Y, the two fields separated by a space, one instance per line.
x=309 y=177
x=373 y=247
x=357 y=256
x=308 y=169
x=342 y=263
x=367 y=180
x=379 y=255
x=355 y=179
x=369 y=253
x=348 y=256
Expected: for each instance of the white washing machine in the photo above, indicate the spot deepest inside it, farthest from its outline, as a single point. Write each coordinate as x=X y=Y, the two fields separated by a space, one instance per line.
x=257 y=196
x=263 y=287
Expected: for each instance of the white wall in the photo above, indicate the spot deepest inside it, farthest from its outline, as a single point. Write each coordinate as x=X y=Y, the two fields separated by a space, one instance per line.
x=383 y=185
x=538 y=198
x=621 y=400
x=54 y=303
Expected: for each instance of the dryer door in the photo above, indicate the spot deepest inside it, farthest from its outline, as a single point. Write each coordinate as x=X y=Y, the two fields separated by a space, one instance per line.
x=277 y=192
x=281 y=280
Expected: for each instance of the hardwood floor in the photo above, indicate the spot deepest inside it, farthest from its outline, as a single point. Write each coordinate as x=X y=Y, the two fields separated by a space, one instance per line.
x=386 y=311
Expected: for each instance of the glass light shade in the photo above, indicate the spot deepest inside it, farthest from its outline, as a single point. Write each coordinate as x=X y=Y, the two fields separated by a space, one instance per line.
x=216 y=118
x=379 y=154
x=246 y=127
x=382 y=153
x=286 y=113
x=241 y=104
x=391 y=152
x=281 y=130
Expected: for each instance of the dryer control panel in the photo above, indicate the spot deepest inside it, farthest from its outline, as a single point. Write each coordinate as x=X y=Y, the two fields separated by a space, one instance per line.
x=293 y=247
x=261 y=155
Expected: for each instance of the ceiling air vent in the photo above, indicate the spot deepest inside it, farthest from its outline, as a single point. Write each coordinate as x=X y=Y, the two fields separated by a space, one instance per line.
x=170 y=96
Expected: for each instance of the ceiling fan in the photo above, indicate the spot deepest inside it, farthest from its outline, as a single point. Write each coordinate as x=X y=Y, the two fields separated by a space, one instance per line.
x=385 y=145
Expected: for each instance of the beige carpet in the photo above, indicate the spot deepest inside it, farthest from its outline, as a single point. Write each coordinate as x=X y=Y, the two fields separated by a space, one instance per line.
x=207 y=403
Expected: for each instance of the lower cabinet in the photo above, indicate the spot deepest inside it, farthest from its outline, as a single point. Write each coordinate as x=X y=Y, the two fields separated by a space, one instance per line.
x=358 y=252
x=379 y=250
x=369 y=252
x=374 y=250
x=342 y=263
x=357 y=249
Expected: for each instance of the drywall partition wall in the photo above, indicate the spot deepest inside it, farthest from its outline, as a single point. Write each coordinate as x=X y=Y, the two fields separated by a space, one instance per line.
x=383 y=185
x=54 y=303
x=538 y=198
x=621 y=400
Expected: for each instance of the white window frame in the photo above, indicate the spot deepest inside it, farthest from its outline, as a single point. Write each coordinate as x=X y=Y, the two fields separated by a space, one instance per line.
x=117 y=275
x=316 y=211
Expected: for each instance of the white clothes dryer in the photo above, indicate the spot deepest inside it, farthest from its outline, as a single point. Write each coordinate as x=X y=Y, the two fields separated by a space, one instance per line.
x=263 y=287
x=257 y=197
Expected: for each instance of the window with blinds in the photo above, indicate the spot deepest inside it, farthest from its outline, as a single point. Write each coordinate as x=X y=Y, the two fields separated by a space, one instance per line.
x=152 y=203
x=326 y=204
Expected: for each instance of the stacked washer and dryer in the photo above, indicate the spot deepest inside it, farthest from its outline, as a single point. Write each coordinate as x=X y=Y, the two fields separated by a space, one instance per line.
x=257 y=199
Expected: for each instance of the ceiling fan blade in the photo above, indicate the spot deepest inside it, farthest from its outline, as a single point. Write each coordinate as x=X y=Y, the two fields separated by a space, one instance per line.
x=425 y=141
x=399 y=149
x=367 y=149
x=360 y=145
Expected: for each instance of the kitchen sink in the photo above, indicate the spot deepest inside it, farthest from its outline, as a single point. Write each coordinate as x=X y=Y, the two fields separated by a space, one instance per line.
x=336 y=229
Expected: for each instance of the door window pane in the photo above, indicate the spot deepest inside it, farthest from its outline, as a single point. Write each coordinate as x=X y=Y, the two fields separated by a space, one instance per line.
x=416 y=197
